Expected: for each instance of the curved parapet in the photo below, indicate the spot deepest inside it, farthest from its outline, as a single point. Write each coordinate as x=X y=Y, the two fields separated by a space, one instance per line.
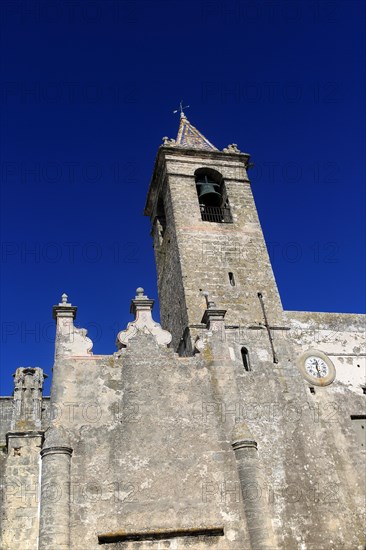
x=141 y=306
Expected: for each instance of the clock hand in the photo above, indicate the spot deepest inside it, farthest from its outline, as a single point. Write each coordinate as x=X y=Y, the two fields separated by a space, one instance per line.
x=317 y=368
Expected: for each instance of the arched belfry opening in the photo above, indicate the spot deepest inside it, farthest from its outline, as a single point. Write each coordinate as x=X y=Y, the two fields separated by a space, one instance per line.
x=212 y=196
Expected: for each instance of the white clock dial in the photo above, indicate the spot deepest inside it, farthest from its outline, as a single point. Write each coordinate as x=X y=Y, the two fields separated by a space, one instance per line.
x=316 y=367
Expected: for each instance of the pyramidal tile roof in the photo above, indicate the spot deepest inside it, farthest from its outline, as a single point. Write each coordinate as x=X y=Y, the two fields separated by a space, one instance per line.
x=188 y=136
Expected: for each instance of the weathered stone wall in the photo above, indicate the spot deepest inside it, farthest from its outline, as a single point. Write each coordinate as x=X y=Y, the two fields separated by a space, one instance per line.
x=313 y=465
x=20 y=488
x=144 y=456
x=336 y=406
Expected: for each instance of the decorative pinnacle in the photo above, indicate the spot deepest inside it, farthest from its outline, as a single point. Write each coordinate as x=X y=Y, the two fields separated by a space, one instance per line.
x=232 y=148
x=167 y=141
x=64 y=308
x=140 y=301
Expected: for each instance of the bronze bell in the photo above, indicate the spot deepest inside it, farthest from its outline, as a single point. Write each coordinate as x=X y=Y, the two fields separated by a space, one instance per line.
x=208 y=193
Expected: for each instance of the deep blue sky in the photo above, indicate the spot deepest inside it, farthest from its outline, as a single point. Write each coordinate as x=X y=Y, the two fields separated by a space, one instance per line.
x=87 y=93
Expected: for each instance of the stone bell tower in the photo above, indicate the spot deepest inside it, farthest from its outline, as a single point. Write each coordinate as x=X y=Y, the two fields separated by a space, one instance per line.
x=207 y=237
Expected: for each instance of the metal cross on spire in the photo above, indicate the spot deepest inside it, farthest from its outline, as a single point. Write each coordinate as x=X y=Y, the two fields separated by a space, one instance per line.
x=181 y=109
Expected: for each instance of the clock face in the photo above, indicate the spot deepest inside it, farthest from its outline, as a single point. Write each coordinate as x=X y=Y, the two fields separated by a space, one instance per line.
x=316 y=367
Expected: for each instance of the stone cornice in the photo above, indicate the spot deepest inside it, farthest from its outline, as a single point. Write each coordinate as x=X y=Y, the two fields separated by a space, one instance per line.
x=64 y=311
x=205 y=153
x=213 y=315
x=26 y=434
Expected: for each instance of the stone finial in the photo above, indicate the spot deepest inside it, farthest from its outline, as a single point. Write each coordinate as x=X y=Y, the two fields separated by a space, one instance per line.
x=64 y=308
x=64 y=301
x=141 y=307
x=232 y=148
x=168 y=142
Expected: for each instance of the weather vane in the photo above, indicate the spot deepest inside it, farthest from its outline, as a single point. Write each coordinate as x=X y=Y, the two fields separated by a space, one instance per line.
x=181 y=108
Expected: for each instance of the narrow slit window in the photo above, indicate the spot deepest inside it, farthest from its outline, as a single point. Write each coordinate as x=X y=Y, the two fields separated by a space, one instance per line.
x=231 y=278
x=245 y=359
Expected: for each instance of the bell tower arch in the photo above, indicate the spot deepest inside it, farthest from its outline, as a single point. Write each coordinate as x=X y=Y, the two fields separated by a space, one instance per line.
x=206 y=235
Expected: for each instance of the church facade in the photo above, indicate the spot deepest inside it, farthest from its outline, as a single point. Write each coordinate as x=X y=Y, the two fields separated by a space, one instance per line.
x=233 y=425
